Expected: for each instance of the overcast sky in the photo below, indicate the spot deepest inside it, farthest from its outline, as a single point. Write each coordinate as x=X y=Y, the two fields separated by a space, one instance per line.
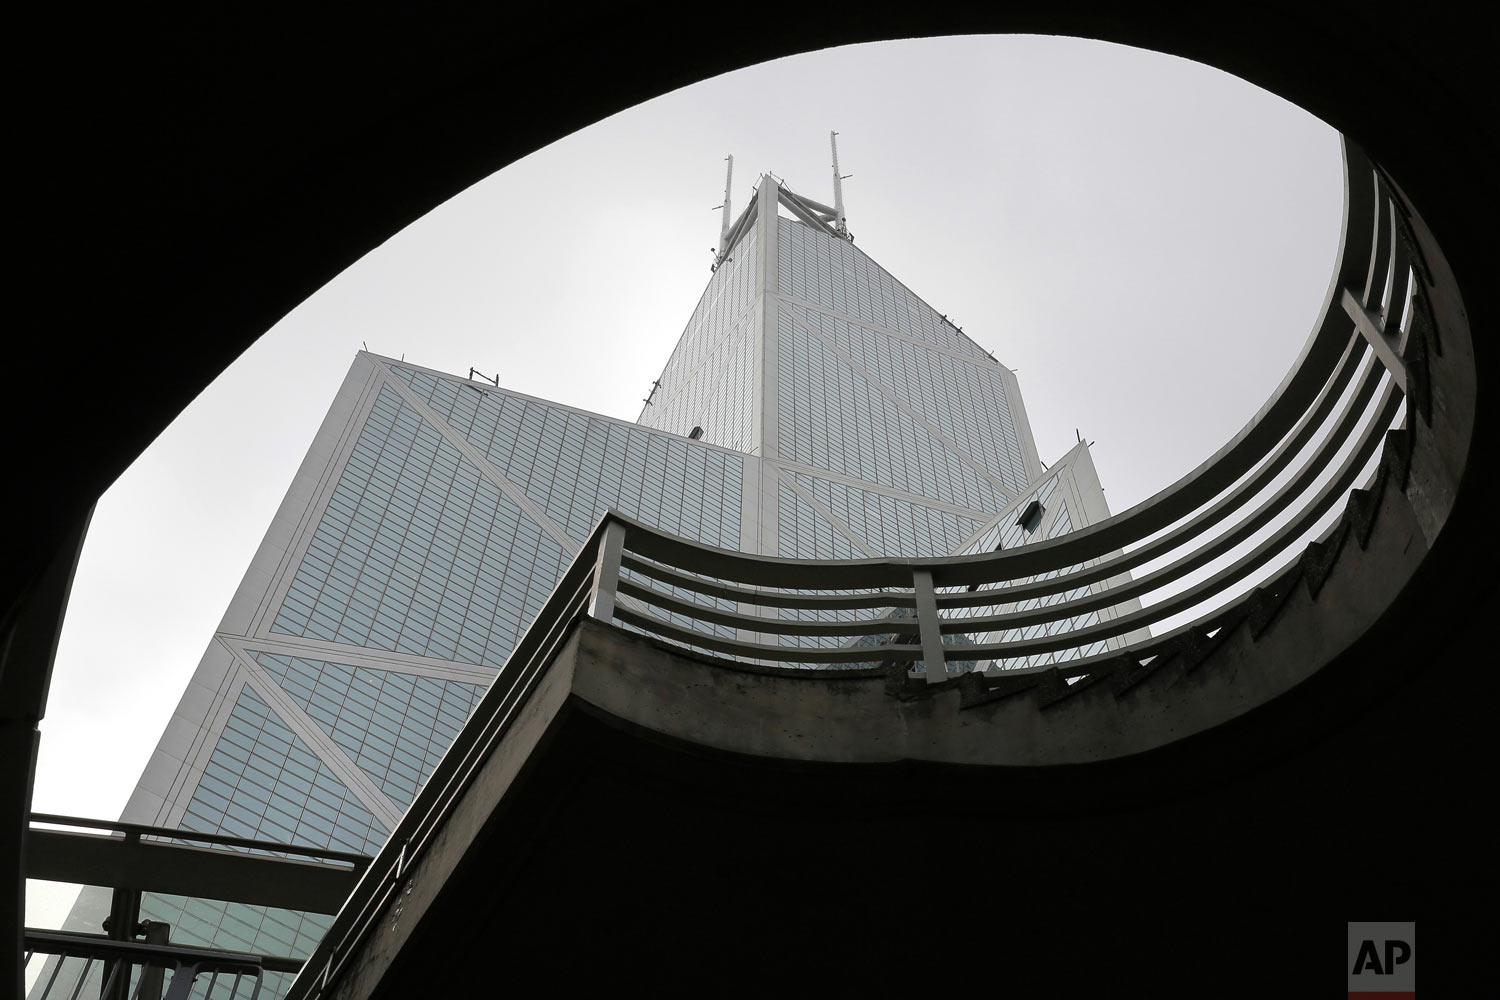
x=1147 y=240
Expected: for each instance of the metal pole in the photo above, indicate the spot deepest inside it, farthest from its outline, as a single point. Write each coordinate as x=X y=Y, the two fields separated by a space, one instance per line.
x=152 y=976
x=124 y=914
x=840 y=223
x=724 y=222
x=607 y=571
x=933 y=657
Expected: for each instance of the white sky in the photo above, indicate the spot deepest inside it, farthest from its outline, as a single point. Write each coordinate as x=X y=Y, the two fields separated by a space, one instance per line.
x=1147 y=240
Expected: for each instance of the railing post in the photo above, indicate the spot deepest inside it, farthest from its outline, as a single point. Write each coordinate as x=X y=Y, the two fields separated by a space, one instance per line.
x=153 y=976
x=607 y=572
x=124 y=914
x=933 y=657
x=1387 y=346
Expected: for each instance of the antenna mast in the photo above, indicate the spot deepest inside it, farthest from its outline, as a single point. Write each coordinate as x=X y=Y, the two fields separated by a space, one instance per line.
x=722 y=253
x=840 y=222
x=724 y=224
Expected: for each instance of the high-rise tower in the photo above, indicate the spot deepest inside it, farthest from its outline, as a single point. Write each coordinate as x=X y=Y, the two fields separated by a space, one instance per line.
x=813 y=407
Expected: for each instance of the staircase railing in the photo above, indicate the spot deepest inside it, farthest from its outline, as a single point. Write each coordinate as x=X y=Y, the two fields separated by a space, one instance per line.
x=94 y=966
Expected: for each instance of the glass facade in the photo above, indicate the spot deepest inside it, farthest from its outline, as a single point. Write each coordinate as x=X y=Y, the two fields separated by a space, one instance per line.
x=395 y=726
x=1010 y=532
x=842 y=417
x=844 y=315
x=417 y=552
x=891 y=526
x=709 y=380
x=265 y=783
x=867 y=435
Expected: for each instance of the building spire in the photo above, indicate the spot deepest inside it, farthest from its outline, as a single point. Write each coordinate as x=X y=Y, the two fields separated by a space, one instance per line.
x=840 y=222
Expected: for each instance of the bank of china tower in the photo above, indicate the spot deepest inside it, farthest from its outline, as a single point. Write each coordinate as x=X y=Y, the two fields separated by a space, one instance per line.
x=814 y=407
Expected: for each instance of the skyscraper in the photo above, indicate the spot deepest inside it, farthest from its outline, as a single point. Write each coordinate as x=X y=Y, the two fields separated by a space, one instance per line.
x=814 y=407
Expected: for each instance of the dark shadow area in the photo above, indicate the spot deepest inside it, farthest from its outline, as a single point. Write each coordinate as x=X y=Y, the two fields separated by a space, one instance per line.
x=1223 y=864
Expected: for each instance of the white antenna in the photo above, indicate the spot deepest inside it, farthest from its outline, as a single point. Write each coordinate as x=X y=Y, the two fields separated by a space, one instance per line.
x=724 y=225
x=840 y=222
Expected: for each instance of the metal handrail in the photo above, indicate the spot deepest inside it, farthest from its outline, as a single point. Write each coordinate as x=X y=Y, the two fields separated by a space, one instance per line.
x=120 y=957
x=1231 y=502
x=454 y=773
x=605 y=580
x=1368 y=441
x=135 y=831
x=808 y=576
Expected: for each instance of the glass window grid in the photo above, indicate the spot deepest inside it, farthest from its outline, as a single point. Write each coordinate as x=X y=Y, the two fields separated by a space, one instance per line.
x=866 y=438
x=967 y=402
x=642 y=474
x=395 y=726
x=407 y=578
x=891 y=526
x=805 y=534
x=706 y=381
x=834 y=273
x=263 y=782
x=1012 y=535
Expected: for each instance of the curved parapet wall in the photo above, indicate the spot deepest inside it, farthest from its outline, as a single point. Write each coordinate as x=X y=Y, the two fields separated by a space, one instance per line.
x=1262 y=648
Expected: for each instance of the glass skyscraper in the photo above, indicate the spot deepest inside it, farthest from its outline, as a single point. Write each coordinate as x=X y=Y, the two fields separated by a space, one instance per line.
x=814 y=407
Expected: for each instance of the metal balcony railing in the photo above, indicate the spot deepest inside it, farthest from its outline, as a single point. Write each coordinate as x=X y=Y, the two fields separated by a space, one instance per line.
x=1277 y=480
x=130 y=859
x=137 y=970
